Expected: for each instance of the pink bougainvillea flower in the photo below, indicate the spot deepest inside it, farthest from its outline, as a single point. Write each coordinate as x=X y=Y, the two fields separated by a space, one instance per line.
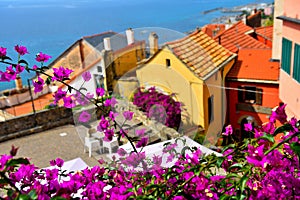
x=34 y=67
x=112 y=115
x=86 y=76
x=41 y=57
x=19 y=68
x=21 y=50
x=61 y=73
x=38 y=85
x=57 y=162
x=69 y=102
x=128 y=115
x=280 y=114
x=142 y=143
x=109 y=134
x=84 y=116
x=59 y=94
x=228 y=130
x=140 y=132
x=248 y=127
x=8 y=75
x=121 y=152
x=110 y=102
x=2 y=52
x=103 y=124
x=100 y=91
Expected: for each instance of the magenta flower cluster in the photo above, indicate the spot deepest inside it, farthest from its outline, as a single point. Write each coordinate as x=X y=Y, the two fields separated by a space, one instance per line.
x=163 y=108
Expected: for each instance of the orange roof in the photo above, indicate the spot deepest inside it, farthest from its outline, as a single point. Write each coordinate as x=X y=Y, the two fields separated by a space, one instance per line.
x=265 y=31
x=200 y=53
x=255 y=64
x=213 y=29
x=236 y=38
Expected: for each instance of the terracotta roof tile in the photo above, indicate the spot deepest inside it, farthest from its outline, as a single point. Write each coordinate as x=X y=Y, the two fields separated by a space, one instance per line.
x=236 y=38
x=255 y=64
x=265 y=31
x=199 y=52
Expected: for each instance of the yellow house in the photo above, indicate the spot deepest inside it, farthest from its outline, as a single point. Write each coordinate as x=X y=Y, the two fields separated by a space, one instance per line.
x=194 y=69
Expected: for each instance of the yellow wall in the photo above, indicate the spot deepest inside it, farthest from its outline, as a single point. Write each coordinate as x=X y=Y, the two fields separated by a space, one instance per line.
x=128 y=59
x=175 y=79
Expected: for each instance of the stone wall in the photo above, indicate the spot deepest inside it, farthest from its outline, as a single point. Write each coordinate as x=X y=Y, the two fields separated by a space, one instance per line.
x=29 y=124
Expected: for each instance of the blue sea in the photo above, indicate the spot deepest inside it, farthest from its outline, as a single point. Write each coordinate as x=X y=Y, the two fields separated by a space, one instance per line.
x=51 y=26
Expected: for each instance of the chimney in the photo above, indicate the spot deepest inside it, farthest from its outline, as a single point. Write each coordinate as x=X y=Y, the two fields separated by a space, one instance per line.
x=130 y=36
x=18 y=82
x=107 y=46
x=153 y=43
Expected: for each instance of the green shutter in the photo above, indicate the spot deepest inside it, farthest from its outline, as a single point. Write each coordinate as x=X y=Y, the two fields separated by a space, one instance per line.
x=296 y=68
x=286 y=55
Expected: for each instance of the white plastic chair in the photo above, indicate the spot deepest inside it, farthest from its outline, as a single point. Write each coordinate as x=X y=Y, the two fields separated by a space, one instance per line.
x=89 y=142
x=111 y=144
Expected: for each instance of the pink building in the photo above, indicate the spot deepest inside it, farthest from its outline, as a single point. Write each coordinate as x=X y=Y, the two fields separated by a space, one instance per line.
x=289 y=84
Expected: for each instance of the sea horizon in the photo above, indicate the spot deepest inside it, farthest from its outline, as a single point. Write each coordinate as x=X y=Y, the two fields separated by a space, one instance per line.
x=53 y=25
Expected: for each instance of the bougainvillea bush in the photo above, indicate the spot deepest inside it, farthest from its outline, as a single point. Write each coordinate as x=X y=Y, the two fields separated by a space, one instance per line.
x=263 y=167
x=158 y=106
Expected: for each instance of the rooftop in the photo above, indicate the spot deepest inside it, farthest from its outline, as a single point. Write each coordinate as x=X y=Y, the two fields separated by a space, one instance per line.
x=265 y=31
x=255 y=64
x=236 y=38
x=200 y=53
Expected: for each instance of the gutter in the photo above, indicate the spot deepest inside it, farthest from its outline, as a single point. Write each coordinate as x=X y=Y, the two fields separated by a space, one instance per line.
x=253 y=80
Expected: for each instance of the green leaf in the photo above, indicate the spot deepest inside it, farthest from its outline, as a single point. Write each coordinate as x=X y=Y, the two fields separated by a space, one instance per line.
x=184 y=149
x=231 y=146
x=23 y=197
x=232 y=175
x=44 y=68
x=33 y=194
x=268 y=137
x=48 y=81
x=83 y=88
x=236 y=165
x=58 y=198
x=243 y=182
x=284 y=128
x=6 y=58
x=14 y=162
x=23 y=62
x=296 y=148
x=224 y=197
x=220 y=161
x=70 y=89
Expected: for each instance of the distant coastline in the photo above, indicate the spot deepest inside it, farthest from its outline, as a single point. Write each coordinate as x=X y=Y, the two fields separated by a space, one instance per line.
x=234 y=14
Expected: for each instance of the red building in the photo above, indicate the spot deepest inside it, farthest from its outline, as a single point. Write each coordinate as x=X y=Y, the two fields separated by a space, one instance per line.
x=253 y=82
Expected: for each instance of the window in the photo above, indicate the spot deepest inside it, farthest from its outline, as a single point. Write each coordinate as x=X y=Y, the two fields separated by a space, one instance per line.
x=168 y=62
x=296 y=68
x=250 y=94
x=210 y=102
x=99 y=69
x=286 y=55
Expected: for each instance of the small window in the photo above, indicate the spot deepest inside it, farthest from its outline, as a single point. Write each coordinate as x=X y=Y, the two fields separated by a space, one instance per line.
x=99 y=69
x=210 y=102
x=250 y=94
x=168 y=62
